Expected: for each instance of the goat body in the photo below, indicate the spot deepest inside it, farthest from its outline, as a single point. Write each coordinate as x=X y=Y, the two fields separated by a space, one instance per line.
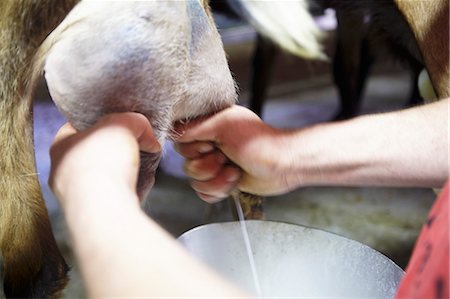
x=429 y=22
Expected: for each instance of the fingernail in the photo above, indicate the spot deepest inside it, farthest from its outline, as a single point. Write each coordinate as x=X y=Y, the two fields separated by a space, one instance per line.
x=209 y=198
x=221 y=159
x=233 y=176
x=205 y=148
x=153 y=147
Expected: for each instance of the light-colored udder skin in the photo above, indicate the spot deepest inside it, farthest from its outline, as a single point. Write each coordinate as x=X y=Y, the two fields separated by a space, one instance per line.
x=164 y=59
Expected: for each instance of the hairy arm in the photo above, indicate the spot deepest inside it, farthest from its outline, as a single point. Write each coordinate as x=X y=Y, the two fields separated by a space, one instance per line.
x=403 y=148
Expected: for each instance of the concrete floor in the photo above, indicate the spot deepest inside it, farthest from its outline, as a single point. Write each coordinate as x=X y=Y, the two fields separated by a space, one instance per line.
x=386 y=219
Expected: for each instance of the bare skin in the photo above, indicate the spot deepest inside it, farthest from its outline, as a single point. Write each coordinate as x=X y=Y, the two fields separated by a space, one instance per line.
x=121 y=252
x=236 y=149
x=97 y=170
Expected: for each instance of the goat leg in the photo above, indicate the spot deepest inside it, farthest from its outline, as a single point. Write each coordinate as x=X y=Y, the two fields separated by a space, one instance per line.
x=32 y=264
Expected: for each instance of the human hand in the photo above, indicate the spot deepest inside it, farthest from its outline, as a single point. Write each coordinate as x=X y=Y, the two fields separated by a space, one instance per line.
x=233 y=149
x=94 y=175
x=101 y=159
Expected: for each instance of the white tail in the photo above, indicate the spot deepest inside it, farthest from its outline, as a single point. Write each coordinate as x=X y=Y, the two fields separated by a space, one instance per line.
x=287 y=23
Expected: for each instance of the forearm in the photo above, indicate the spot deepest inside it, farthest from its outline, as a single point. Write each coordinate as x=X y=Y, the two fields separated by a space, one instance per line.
x=126 y=254
x=405 y=148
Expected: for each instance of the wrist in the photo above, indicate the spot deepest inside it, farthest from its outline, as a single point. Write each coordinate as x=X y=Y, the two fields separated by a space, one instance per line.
x=283 y=165
x=100 y=217
x=306 y=158
x=289 y=165
x=91 y=199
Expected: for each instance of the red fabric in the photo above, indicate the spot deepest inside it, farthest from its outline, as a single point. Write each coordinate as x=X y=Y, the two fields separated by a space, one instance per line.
x=427 y=274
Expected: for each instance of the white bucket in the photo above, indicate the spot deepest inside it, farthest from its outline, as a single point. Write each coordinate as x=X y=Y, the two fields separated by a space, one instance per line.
x=294 y=261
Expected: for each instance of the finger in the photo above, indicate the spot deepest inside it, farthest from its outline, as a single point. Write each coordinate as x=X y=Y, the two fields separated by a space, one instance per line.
x=210 y=198
x=64 y=132
x=147 y=140
x=212 y=127
x=179 y=129
x=205 y=168
x=194 y=150
x=221 y=185
x=199 y=129
x=138 y=125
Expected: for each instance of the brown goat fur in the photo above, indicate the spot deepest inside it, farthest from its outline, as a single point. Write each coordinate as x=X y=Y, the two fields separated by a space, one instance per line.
x=429 y=21
x=32 y=263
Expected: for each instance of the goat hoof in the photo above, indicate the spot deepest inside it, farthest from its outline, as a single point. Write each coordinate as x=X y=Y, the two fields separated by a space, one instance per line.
x=40 y=272
x=2 y=276
x=48 y=282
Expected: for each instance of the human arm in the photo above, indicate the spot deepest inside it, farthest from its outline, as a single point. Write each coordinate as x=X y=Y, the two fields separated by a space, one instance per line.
x=403 y=148
x=121 y=251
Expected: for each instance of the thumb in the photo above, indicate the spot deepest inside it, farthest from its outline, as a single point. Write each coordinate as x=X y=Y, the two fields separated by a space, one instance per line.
x=200 y=129
x=136 y=124
x=211 y=128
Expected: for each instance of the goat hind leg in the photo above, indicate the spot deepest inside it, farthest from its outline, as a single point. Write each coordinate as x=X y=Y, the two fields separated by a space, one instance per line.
x=348 y=73
x=33 y=266
x=2 y=271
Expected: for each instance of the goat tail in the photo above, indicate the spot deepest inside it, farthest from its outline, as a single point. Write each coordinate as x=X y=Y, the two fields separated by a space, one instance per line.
x=288 y=24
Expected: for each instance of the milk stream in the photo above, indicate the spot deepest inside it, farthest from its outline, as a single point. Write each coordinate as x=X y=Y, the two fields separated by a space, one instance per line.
x=248 y=247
